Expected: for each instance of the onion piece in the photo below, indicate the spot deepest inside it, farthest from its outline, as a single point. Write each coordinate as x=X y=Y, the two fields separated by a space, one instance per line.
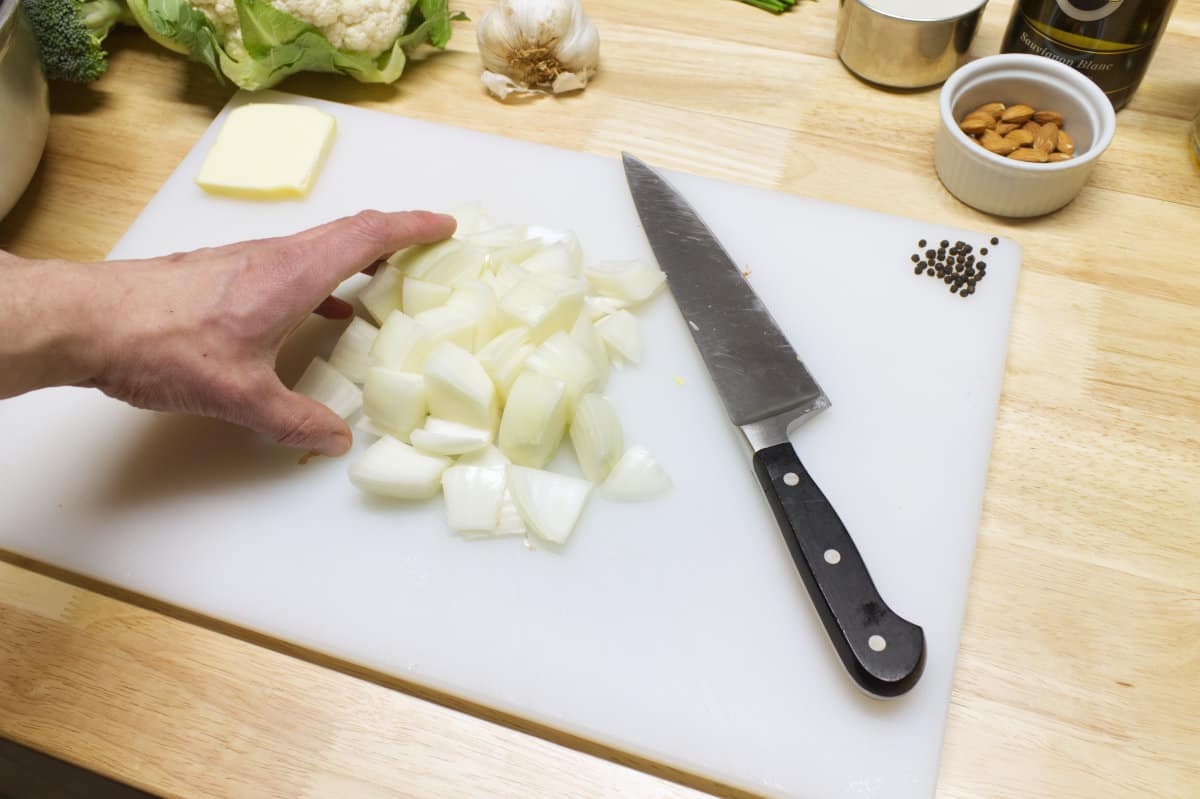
x=421 y=295
x=545 y=304
x=415 y=261
x=383 y=293
x=446 y=323
x=458 y=388
x=476 y=298
x=352 y=354
x=510 y=521
x=473 y=497
x=596 y=436
x=598 y=307
x=331 y=388
x=402 y=344
x=470 y=219
x=506 y=278
x=463 y=263
x=636 y=476
x=534 y=419
x=632 y=281
x=567 y=238
x=441 y=437
x=503 y=358
x=562 y=358
x=511 y=254
x=556 y=259
x=549 y=503
x=620 y=332
x=486 y=458
x=394 y=401
x=585 y=335
x=392 y=468
x=502 y=236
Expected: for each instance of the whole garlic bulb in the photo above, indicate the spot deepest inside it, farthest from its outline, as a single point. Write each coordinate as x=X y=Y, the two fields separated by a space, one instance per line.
x=531 y=46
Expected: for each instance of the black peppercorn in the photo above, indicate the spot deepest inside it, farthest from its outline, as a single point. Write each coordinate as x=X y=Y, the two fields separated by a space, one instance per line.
x=945 y=243
x=994 y=241
x=983 y=250
x=930 y=254
x=982 y=265
x=918 y=269
x=963 y=293
x=929 y=271
x=915 y=257
x=921 y=243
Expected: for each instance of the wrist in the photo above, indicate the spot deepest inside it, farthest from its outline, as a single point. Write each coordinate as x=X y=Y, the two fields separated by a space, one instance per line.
x=52 y=330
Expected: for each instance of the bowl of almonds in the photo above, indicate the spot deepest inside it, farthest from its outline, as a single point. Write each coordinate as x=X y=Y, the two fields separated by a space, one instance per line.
x=1019 y=134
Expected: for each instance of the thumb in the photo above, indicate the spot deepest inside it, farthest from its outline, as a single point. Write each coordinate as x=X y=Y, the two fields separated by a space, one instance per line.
x=294 y=420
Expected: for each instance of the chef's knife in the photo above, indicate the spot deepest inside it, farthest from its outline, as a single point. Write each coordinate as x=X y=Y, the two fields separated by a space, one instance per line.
x=767 y=390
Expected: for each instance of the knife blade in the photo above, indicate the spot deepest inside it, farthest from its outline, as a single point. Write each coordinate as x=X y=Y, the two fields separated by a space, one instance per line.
x=767 y=392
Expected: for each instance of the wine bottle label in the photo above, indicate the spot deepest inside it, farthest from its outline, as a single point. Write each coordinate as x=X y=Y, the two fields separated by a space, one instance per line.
x=1088 y=10
x=1106 y=63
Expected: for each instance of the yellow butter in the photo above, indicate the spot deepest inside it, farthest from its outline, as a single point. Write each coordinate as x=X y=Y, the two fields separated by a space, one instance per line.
x=267 y=151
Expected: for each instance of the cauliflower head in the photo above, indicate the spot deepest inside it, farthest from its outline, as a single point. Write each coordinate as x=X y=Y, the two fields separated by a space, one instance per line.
x=257 y=43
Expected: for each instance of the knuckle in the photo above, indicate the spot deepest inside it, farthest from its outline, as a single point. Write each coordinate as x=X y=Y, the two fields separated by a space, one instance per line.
x=371 y=225
x=297 y=430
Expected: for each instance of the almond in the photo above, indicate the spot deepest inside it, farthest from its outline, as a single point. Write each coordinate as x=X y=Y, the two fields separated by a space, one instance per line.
x=1032 y=127
x=1065 y=144
x=975 y=124
x=1059 y=157
x=1048 y=116
x=993 y=110
x=1029 y=154
x=1047 y=138
x=997 y=143
x=1020 y=136
x=1003 y=128
x=1017 y=113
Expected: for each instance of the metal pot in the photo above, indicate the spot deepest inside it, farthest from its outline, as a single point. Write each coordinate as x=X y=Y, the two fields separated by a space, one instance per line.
x=24 y=105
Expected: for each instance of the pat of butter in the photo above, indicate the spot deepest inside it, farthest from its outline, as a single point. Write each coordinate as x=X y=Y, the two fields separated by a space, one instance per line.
x=267 y=151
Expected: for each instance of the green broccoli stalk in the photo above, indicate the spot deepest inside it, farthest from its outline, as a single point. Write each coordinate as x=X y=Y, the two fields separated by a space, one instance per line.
x=70 y=33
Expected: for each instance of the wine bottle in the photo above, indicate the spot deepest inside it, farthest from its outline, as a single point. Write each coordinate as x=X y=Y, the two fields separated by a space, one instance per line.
x=1110 y=41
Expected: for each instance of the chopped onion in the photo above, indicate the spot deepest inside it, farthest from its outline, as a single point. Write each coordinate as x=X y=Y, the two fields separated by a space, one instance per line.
x=562 y=358
x=402 y=344
x=394 y=469
x=477 y=299
x=598 y=307
x=636 y=476
x=383 y=293
x=503 y=357
x=568 y=238
x=471 y=219
x=506 y=278
x=473 y=497
x=486 y=458
x=458 y=388
x=549 y=503
x=416 y=261
x=329 y=387
x=545 y=304
x=510 y=521
x=620 y=333
x=503 y=236
x=632 y=281
x=511 y=254
x=534 y=419
x=394 y=401
x=421 y=295
x=447 y=323
x=463 y=263
x=441 y=437
x=351 y=354
x=585 y=335
x=596 y=436
x=556 y=259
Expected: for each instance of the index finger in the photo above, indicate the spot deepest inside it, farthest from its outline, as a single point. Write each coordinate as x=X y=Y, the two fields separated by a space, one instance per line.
x=336 y=250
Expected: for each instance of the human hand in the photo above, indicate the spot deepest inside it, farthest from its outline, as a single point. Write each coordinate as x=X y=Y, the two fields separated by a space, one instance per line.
x=199 y=332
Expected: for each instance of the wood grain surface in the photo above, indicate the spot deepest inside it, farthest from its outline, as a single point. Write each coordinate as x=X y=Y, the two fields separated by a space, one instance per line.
x=1078 y=671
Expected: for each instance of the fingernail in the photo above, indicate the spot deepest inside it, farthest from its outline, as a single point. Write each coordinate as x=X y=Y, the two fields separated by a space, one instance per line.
x=335 y=445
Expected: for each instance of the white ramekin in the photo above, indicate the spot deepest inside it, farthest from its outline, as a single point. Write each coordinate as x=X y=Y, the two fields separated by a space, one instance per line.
x=1002 y=186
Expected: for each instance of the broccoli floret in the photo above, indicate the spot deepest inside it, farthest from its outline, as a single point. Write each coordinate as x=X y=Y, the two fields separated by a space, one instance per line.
x=70 y=33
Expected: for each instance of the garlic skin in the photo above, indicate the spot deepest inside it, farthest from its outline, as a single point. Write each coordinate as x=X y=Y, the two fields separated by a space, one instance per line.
x=537 y=47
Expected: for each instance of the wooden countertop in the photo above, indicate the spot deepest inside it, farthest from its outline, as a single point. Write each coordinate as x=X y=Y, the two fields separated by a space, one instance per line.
x=1078 y=671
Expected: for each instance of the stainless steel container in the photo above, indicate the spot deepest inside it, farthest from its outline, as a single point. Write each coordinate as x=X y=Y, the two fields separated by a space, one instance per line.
x=910 y=49
x=24 y=105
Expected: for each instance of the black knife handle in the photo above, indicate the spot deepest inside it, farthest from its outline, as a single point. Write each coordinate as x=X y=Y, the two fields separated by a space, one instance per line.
x=883 y=652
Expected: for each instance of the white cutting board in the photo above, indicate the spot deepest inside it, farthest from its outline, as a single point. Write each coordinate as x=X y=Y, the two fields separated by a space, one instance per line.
x=677 y=629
